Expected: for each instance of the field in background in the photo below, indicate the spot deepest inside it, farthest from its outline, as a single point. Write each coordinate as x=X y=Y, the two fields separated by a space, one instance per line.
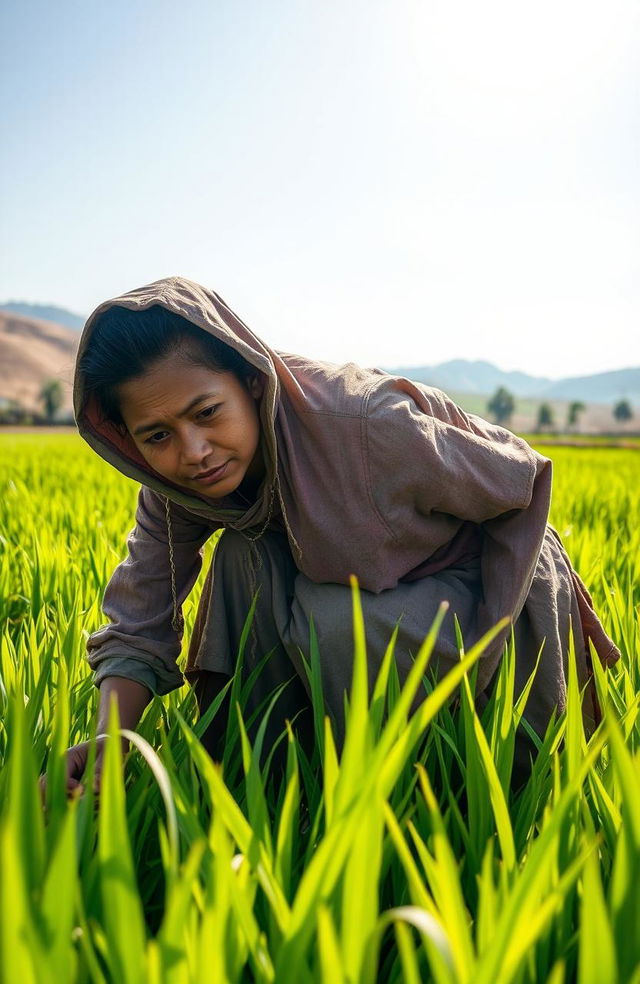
x=361 y=869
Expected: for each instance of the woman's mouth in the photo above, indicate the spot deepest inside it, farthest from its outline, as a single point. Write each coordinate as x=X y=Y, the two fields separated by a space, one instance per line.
x=211 y=476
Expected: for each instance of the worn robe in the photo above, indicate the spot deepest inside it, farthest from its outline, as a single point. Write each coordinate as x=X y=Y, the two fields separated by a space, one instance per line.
x=368 y=474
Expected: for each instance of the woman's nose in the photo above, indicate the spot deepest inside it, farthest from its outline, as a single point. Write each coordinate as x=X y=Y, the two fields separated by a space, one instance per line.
x=195 y=447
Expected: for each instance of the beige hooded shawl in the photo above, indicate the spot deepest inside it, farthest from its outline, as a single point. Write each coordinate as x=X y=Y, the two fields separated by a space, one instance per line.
x=368 y=473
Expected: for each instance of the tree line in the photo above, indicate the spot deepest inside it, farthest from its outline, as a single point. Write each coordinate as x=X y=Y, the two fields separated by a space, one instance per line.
x=50 y=398
x=502 y=406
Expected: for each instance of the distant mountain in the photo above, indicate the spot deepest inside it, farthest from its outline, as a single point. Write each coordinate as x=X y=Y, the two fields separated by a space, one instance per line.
x=45 y=312
x=32 y=352
x=604 y=387
x=465 y=376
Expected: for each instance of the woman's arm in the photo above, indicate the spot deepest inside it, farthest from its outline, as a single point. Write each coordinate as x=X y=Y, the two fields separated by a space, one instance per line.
x=134 y=656
x=131 y=698
x=140 y=642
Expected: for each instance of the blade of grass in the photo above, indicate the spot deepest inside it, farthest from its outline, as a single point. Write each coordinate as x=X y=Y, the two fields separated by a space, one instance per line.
x=122 y=912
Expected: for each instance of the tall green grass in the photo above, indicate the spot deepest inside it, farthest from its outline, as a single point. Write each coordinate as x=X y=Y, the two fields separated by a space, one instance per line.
x=407 y=858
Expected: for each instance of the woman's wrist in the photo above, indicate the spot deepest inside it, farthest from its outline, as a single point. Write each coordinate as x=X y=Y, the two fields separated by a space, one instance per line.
x=132 y=698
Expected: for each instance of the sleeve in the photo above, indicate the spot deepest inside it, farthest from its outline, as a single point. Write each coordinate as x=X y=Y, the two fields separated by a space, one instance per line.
x=139 y=642
x=441 y=462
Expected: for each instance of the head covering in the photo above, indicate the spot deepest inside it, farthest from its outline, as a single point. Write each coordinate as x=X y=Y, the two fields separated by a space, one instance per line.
x=206 y=310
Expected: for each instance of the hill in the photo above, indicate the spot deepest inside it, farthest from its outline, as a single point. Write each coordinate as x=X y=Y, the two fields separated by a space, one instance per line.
x=45 y=312
x=33 y=351
x=465 y=376
x=604 y=387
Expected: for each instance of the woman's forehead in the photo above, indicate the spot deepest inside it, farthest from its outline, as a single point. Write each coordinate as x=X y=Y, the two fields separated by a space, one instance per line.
x=172 y=385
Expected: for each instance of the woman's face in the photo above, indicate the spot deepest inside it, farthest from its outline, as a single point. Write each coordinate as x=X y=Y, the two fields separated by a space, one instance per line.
x=196 y=427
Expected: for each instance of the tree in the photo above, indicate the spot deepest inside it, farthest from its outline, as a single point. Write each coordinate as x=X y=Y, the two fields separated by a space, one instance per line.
x=622 y=411
x=501 y=405
x=545 y=416
x=51 y=397
x=575 y=409
x=12 y=412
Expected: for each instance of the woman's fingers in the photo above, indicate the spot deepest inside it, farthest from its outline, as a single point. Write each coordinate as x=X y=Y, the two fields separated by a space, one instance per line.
x=76 y=760
x=75 y=763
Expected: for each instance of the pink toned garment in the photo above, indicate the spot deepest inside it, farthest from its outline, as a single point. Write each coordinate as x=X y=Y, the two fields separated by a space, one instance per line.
x=369 y=474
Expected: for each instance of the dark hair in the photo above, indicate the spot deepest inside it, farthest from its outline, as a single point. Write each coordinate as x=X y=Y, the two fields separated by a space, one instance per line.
x=125 y=343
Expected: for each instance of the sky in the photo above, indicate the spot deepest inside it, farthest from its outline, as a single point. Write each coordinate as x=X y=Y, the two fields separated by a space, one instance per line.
x=394 y=182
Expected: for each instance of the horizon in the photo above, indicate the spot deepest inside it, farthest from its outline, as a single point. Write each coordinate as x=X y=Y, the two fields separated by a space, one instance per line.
x=407 y=365
x=399 y=185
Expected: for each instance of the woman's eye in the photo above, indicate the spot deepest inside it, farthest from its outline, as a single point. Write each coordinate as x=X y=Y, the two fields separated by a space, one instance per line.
x=208 y=411
x=156 y=438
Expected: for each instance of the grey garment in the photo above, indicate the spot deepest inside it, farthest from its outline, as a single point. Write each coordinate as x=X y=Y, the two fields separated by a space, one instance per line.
x=239 y=569
x=288 y=599
x=130 y=668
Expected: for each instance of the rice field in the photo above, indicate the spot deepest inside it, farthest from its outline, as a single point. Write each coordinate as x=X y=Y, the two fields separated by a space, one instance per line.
x=409 y=858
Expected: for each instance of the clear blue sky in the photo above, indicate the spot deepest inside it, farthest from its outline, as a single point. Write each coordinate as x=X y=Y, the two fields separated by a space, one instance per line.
x=396 y=182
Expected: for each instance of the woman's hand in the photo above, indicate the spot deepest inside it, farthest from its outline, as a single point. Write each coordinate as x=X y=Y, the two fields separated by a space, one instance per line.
x=76 y=760
x=76 y=764
x=132 y=698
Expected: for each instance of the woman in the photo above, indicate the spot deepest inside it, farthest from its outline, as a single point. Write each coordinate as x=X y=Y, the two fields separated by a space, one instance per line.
x=315 y=472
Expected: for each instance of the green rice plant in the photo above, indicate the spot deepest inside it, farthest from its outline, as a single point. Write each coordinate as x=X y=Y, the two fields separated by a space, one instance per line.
x=409 y=854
